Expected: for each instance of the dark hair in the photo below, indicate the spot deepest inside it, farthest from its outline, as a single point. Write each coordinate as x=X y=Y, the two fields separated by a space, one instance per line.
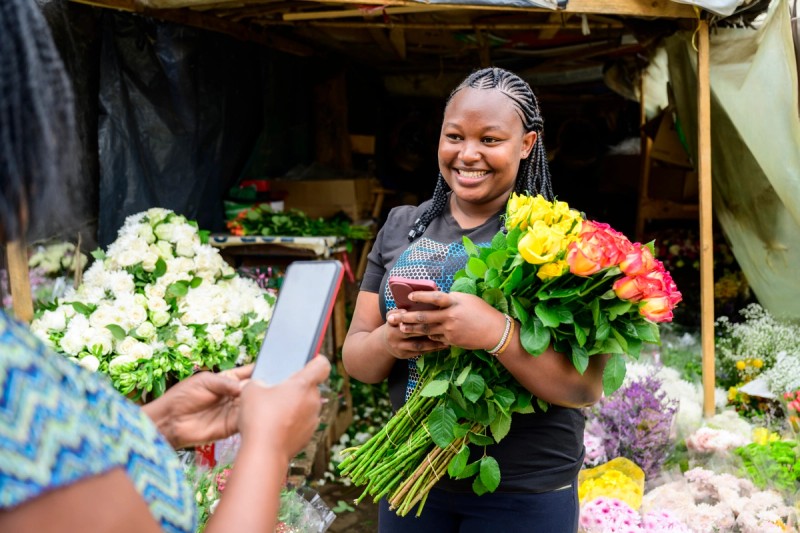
x=38 y=144
x=534 y=174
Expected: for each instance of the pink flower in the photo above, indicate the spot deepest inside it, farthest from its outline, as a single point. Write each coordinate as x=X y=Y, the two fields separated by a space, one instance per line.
x=607 y=515
x=627 y=288
x=638 y=261
x=598 y=247
x=663 y=521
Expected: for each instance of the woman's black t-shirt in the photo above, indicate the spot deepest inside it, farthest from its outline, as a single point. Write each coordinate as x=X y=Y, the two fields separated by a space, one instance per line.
x=543 y=451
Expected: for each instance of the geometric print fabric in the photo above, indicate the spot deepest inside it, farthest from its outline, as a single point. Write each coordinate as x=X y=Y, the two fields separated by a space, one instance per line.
x=60 y=423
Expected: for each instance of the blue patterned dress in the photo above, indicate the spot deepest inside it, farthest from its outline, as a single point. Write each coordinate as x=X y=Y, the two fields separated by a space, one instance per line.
x=60 y=423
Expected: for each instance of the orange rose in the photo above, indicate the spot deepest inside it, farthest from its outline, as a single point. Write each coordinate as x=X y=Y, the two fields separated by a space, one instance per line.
x=656 y=308
x=627 y=288
x=638 y=262
x=597 y=248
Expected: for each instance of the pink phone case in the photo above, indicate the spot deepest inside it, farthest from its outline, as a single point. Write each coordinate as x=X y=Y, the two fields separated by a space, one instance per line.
x=402 y=287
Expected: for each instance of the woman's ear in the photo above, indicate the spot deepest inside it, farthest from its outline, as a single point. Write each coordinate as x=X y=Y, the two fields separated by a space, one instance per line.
x=528 y=140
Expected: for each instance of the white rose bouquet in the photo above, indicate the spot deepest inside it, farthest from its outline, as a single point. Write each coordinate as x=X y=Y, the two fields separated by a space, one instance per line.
x=158 y=305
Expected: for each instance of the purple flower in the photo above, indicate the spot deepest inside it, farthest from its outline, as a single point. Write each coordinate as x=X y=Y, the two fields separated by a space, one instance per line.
x=637 y=420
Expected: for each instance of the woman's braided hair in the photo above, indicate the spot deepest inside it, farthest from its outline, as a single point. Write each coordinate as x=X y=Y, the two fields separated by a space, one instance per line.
x=38 y=144
x=534 y=174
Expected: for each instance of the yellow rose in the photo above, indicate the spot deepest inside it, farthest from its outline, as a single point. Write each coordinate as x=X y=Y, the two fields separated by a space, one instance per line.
x=541 y=209
x=518 y=217
x=552 y=270
x=540 y=244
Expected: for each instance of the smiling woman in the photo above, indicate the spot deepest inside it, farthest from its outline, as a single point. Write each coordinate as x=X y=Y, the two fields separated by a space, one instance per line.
x=490 y=146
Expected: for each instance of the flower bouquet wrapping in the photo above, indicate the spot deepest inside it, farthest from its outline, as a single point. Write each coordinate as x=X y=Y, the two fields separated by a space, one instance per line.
x=573 y=284
x=159 y=304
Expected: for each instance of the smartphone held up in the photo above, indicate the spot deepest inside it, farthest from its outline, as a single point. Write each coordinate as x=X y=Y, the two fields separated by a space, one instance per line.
x=402 y=287
x=299 y=319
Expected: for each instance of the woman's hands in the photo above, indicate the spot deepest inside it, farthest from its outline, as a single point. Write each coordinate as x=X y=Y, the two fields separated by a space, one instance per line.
x=406 y=344
x=461 y=320
x=199 y=409
x=283 y=418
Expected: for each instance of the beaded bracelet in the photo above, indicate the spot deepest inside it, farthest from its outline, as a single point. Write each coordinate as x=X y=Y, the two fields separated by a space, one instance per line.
x=508 y=340
x=498 y=349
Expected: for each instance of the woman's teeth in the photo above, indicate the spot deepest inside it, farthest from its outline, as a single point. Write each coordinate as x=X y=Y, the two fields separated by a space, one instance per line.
x=473 y=174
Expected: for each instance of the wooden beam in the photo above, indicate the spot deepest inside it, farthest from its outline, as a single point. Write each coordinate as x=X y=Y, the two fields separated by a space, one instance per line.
x=397 y=36
x=365 y=13
x=706 y=219
x=432 y=26
x=18 y=281
x=554 y=18
x=635 y=8
x=203 y=21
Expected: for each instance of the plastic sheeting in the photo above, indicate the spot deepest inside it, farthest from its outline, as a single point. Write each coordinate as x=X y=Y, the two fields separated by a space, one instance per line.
x=755 y=148
x=179 y=111
x=723 y=8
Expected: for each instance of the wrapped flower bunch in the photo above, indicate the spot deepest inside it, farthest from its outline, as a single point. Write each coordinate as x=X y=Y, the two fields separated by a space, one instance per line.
x=573 y=284
x=159 y=304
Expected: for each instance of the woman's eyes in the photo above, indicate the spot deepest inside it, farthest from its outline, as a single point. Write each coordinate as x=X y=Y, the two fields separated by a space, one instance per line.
x=484 y=140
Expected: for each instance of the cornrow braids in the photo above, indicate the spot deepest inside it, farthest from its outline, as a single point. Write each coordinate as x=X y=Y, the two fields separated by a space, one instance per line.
x=533 y=175
x=38 y=141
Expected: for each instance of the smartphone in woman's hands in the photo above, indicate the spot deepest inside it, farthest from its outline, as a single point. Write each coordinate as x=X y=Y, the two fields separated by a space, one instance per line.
x=402 y=287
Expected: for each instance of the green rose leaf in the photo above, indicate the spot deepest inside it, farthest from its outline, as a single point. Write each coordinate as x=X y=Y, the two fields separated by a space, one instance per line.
x=82 y=308
x=495 y=298
x=503 y=397
x=603 y=329
x=550 y=316
x=161 y=268
x=480 y=440
x=174 y=290
x=472 y=469
x=462 y=376
x=490 y=473
x=543 y=405
x=461 y=430
x=470 y=247
x=473 y=387
x=440 y=425
x=98 y=254
x=613 y=374
x=499 y=241
x=513 y=238
x=500 y=426
x=513 y=281
x=617 y=309
x=648 y=331
x=523 y=404
x=580 y=334
x=610 y=346
x=518 y=310
x=497 y=259
x=620 y=339
x=465 y=285
x=579 y=357
x=535 y=337
x=435 y=388
x=476 y=268
x=458 y=463
x=196 y=282
x=478 y=487
x=116 y=331
x=594 y=305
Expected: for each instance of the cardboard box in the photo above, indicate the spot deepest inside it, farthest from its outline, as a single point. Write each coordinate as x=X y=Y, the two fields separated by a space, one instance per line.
x=667 y=144
x=325 y=198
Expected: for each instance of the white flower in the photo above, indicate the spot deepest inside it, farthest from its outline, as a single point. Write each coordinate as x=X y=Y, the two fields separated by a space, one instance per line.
x=90 y=362
x=146 y=330
x=165 y=231
x=156 y=214
x=153 y=292
x=185 y=335
x=141 y=350
x=96 y=338
x=149 y=260
x=54 y=320
x=184 y=350
x=184 y=248
x=125 y=346
x=216 y=332
x=159 y=318
x=121 y=360
x=234 y=338
x=145 y=232
x=164 y=249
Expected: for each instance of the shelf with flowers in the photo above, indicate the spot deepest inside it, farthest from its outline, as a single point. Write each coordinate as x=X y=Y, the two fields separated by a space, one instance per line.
x=156 y=306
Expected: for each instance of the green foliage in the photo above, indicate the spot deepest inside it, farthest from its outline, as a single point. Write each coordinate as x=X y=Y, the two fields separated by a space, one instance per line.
x=262 y=220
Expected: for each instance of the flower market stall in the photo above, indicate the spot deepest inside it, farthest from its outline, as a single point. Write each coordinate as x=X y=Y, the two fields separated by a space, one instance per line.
x=701 y=433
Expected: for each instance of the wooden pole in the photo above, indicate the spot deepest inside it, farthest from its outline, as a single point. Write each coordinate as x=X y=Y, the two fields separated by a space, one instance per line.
x=706 y=220
x=18 y=281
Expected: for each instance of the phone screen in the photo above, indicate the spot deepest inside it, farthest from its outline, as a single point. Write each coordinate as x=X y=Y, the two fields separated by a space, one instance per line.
x=299 y=319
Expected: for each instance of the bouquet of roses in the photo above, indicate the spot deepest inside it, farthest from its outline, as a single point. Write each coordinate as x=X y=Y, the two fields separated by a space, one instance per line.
x=159 y=304
x=573 y=284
